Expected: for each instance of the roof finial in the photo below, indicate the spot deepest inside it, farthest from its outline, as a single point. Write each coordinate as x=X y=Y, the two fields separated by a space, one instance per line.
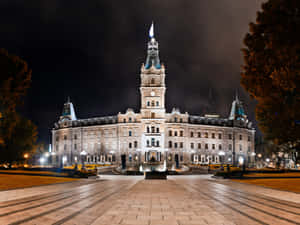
x=151 y=31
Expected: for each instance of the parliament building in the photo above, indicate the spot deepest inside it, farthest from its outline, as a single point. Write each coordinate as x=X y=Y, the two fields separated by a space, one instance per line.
x=152 y=134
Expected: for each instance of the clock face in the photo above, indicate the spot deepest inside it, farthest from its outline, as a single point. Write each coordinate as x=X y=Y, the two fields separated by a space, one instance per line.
x=152 y=93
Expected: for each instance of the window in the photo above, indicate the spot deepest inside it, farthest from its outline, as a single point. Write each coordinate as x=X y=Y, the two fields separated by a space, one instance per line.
x=157 y=143
x=220 y=136
x=181 y=144
x=152 y=130
x=130 y=133
x=157 y=130
x=192 y=145
x=65 y=147
x=213 y=146
x=130 y=119
x=65 y=137
x=75 y=146
x=213 y=135
x=148 y=130
x=175 y=145
x=170 y=133
x=130 y=145
x=75 y=136
x=229 y=136
x=152 y=80
x=170 y=144
x=124 y=120
x=175 y=133
x=199 y=145
x=192 y=134
x=157 y=103
x=249 y=148
x=206 y=146
x=148 y=143
x=241 y=149
x=220 y=147
x=181 y=133
x=148 y=103
x=199 y=134
x=175 y=119
x=241 y=137
x=152 y=115
x=152 y=103
x=152 y=142
x=249 y=138
x=135 y=144
x=181 y=158
x=230 y=147
x=180 y=120
x=206 y=135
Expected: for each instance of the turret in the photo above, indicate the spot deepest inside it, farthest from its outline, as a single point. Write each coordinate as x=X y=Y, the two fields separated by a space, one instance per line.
x=68 y=111
x=237 y=110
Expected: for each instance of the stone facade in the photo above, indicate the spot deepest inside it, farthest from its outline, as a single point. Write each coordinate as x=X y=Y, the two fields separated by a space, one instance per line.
x=152 y=133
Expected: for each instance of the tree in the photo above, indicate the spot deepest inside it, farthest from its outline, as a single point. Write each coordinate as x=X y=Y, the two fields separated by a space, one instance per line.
x=15 y=79
x=271 y=70
x=22 y=140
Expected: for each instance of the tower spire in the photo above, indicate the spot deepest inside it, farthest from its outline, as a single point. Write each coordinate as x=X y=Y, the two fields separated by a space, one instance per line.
x=151 y=31
x=152 y=53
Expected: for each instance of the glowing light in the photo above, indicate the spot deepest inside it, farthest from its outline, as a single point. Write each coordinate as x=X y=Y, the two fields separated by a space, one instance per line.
x=64 y=159
x=221 y=153
x=259 y=155
x=241 y=160
x=267 y=160
x=83 y=153
x=42 y=160
x=26 y=155
x=253 y=153
x=151 y=31
x=47 y=154
x=75 y=158
x=152 y=93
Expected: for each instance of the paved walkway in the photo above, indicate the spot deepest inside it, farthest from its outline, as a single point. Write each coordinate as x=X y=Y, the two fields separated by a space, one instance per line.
x=180 y=200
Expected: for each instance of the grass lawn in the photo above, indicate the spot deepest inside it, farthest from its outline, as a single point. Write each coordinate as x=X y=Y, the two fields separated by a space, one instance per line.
x=290 y=174
x=11 y=181
x=284 y=184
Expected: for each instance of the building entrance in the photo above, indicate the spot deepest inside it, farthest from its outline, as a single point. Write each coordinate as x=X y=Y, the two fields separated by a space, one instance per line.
x=153 y=156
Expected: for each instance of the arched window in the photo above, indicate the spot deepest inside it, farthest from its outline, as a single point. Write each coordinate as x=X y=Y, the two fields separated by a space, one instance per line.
x=157 y=130
x=148 y=103
x=152 y=142
x=157 y=143
x=152 y=129
x=170 y=144
x=175 y=145
x=124 y=120
x=135 y=144
x=148 y=143
x=175 y=133
x=130 y=119
x=130 y=145
x=170 y=133
x=130 y=133
x=148 y=130
x=152 y=103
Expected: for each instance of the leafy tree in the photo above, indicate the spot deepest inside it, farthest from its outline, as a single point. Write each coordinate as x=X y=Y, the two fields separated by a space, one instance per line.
x=271 y=70
x=22 y=140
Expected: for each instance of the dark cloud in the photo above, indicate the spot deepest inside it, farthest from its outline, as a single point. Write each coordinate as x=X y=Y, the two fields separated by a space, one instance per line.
x=92 y=51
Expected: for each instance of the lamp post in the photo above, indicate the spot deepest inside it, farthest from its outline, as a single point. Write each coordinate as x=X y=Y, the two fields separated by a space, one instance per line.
x=26 y=156
x=83 y=154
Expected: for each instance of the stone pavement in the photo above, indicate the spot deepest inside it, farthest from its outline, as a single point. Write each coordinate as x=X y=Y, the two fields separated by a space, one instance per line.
x=180 y=200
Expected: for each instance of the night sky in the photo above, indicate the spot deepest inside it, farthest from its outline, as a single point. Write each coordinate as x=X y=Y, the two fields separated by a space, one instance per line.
x=92 y=51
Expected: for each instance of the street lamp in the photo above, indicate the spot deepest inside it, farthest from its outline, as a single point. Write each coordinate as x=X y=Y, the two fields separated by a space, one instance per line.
x=83 y=154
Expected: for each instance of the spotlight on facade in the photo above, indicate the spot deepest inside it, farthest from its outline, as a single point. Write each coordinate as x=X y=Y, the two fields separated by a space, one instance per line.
x=75 y=158
x=241 y=160
x=253 y=153
x=64 y=159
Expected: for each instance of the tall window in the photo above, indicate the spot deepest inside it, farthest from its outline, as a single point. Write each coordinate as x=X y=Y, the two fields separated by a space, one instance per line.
x=175 y=119
x=199 y=145
x=192 y=134
x=130 y=119
x=152 y=142
x=199 y=134
x=148 y=130
x=241 y=137
x=170 y=144
x=220 y=136
x=130 y=145
x=152 y=115
x=65 y=137
x=57 y=138
x=157 y=143
x=220 y=147
x=157 y=130
x=75 y=136
x=124 y=120
x=181 y=144
x=152 y=129
x=206 y=135
x=181 y=133
x=213 y=135
x=192 y=145
x=75 y=146
x=148 y=143
x=135 y=144
x=213 y=146
x=170 y=133
x=180 y=120
x=248 y=138
x=206 y=146
x=130 y=133
x=157 y=103
x=148 y=103
x=175 y=133
x=152 y=81
x=241 y=149
x=175 y=145
x=152 y=103
x=230 y=147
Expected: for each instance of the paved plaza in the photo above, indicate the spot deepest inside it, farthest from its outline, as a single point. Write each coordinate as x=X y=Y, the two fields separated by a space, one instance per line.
x=131 y=200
